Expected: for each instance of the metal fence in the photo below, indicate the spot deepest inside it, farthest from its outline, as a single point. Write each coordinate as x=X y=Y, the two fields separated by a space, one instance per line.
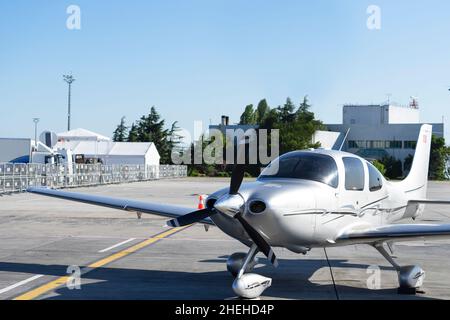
x=18 y=177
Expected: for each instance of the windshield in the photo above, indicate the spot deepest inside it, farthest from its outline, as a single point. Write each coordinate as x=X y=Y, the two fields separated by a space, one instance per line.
x=304 y=165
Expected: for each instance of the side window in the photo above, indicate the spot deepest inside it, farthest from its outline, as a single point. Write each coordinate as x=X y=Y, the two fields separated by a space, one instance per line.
x=354 y=174
x=375 y=178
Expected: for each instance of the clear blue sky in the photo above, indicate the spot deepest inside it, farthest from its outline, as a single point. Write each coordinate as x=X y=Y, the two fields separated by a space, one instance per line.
x=196 y=60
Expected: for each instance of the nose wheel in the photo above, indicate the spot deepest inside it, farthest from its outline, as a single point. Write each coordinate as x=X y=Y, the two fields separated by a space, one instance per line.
x=236 y=261
x=410 y=278
x=247 y=285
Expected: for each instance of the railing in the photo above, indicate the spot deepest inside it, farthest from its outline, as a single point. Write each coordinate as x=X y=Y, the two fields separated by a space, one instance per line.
x=18 y=177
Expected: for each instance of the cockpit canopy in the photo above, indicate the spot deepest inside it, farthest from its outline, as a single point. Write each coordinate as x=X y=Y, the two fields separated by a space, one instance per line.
x=304 y=165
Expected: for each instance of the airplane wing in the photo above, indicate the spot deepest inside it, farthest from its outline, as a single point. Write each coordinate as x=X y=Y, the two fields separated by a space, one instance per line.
x=121 y=204
x=395 y=232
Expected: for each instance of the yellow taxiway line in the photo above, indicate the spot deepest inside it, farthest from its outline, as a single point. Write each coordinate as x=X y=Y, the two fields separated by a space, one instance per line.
x=34 y=293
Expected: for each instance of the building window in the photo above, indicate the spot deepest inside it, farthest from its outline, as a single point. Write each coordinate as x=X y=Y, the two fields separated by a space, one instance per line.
x=410 y=144
x=377 y=144
x=352 y=144
x=354 y=174
x=393 y=144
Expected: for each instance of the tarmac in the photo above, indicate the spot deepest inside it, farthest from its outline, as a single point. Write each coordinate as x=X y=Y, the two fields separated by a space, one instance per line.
x=44 y=240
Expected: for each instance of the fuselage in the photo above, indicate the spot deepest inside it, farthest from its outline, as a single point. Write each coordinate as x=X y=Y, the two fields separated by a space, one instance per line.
x=311 y=197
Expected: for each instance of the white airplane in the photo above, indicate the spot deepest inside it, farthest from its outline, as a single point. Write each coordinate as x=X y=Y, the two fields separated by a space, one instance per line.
x=304 y=200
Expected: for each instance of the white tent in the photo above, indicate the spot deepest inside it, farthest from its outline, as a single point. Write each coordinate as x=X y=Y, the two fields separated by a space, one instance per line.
x=81 y=135
x=133 y=153
x=139 y=153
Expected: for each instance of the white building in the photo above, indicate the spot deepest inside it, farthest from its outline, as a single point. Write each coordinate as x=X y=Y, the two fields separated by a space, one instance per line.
x=18 y=150
x=94 y=145
x=141 y=153
x=385 y=129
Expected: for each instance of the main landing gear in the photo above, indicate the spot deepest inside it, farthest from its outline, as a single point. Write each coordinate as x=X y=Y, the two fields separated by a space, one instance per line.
x=410 y=278
x=247 y=285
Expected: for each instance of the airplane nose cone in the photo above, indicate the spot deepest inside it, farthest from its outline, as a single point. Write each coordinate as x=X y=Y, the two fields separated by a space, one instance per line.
x=230 y=204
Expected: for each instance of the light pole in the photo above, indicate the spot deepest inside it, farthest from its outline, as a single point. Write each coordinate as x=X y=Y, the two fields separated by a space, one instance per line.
x=69 y=79
x=35 y=120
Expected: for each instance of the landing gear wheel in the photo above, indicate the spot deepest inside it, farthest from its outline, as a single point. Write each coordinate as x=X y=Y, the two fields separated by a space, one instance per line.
x=410 y=278
x=236 y=261
x=247 y=285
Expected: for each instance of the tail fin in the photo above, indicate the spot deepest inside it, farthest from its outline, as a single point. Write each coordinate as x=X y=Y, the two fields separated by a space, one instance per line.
x=415 y=184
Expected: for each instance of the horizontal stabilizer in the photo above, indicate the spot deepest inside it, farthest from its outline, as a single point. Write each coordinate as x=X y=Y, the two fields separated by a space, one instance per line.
x=413 y=206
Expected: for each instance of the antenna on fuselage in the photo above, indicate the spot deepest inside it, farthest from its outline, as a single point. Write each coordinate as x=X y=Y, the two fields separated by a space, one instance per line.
x=345 y=138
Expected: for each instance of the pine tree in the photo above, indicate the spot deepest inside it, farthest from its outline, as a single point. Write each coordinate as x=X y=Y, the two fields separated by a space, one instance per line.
x=303 y=112
x=287 y=111
x=174 y=137
x=151 y=129
x=119 y=134
x=133 y=134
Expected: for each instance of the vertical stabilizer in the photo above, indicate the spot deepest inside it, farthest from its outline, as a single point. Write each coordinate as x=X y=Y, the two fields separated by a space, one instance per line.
x=415 y=184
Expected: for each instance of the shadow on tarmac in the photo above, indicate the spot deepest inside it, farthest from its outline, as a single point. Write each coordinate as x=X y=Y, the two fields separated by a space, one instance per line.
x=290 y=281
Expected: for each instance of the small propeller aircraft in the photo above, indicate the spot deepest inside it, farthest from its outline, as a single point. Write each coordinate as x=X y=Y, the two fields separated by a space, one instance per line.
x=303 y=200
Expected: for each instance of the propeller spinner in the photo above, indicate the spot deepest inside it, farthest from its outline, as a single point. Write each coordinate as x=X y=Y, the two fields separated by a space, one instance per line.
x=232 y=204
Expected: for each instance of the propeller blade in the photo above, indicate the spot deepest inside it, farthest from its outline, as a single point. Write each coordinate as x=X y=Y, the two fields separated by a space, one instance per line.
x=262 y=244
x=236 y=178
x=190 y=218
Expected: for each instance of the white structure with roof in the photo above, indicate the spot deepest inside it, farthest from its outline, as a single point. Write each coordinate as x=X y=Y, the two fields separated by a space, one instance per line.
x=81 y=134
x=139 y=153
x=94 y=145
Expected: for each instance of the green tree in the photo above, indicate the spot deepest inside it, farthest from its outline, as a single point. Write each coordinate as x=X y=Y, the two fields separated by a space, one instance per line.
x=377 y=164
x=120 y=134
x=393 y=167
x=271 y=120
x=248 y=116
x=174 y=138
x=133 y=134
x=438 y=158
x=286 y=111
x=296 y=126
x=303 y=110
x=151 y=128
x=201 y=169
x=407 y=163
x=262 y=110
